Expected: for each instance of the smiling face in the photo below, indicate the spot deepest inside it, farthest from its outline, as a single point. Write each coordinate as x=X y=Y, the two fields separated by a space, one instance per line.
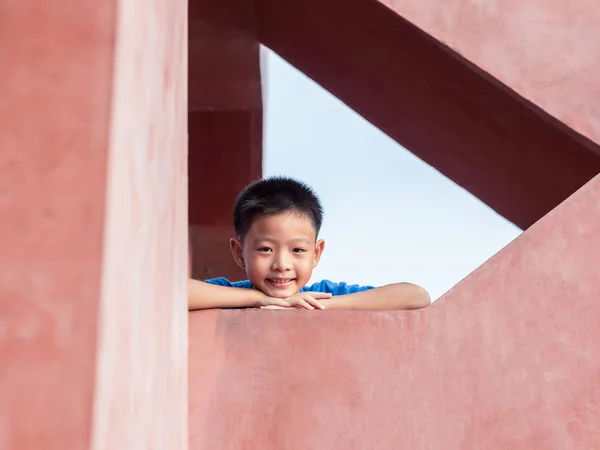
x=279 y=253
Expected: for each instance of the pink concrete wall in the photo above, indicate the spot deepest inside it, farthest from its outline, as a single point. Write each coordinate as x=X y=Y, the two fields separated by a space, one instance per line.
x=55 y=88
x=93 y=229
x=141 y=371
x=507 y=359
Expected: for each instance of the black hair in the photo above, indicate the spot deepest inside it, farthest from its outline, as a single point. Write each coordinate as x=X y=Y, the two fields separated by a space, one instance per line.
x=275 y=195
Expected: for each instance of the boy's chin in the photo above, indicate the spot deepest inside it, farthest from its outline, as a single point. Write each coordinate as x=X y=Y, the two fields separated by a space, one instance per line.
x=280 y=293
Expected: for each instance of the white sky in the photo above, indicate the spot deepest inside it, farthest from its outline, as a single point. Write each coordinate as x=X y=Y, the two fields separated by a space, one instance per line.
x=389 y=217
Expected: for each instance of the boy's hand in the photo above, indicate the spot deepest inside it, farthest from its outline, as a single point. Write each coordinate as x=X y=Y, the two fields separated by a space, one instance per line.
x=302 y=300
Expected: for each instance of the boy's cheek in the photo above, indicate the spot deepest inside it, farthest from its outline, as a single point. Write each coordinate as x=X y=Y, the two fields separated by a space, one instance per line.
x=256 y=272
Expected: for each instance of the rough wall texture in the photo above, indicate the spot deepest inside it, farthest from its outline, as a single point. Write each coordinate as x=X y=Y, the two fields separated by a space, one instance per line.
x=55 y=84
x=447 y=110
x=93 y=224
x=507 y=359
x=141 y=374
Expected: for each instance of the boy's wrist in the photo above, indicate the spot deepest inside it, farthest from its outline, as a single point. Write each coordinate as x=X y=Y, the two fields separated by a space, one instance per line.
x=258 y=298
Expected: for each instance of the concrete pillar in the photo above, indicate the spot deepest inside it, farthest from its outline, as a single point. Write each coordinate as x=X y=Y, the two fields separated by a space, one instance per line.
x=93 y=165
x=225 y=116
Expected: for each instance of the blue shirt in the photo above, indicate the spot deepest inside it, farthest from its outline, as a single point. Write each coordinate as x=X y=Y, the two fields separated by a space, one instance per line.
x=322 y=286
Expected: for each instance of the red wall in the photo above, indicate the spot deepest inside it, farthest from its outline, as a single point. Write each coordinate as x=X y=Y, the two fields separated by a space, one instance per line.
x=55 y=88
x=93 y=168
x=140 y=399
x=507 y=359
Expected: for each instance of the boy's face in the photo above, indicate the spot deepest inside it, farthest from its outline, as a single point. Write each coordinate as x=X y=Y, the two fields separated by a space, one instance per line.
x=279 y=253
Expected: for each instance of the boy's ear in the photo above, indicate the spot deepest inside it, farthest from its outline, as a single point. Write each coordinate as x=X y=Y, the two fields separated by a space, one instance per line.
x=319 y=247
x=237 y=250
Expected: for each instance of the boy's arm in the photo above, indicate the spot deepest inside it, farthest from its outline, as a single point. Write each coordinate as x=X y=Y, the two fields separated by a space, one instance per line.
x=210 y=296
x=392 y=296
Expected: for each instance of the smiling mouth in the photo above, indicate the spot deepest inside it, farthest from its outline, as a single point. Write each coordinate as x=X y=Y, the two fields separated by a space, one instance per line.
x=280 y=282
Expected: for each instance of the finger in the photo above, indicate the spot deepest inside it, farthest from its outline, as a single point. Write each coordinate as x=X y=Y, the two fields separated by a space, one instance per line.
x=273 y=301
x=275 y=307
x=314 y=302
x=321 y=295
x=304 y=304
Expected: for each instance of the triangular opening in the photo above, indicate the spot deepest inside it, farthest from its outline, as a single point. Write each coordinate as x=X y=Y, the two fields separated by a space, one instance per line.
x=389 y=216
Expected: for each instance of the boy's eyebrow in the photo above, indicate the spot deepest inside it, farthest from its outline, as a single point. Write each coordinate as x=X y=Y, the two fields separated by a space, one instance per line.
x=262 y=239
x=266 y=239
x=302 y=239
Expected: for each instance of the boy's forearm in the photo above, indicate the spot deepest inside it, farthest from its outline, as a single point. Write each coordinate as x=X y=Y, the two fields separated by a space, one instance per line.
x=399 y=296
x=209 y=296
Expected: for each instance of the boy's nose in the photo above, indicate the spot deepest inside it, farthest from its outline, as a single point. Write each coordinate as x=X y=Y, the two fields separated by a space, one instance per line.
x=281 y=263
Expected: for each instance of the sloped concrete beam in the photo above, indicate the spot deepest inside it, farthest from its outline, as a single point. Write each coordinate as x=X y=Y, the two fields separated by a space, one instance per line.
x=514 y=120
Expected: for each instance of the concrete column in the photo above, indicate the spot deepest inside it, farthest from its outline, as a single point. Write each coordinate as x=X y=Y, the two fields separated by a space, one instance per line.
x=225 y=116
x=93 y=228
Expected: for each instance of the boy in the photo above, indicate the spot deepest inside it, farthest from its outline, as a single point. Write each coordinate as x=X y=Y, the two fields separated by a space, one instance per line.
x=277 y=222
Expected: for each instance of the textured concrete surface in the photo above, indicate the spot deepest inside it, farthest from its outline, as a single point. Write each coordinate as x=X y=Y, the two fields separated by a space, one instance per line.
x=225 y=122
x=141 y=373
x=507 y=359
x=93 y=170
x=55 y=85
x=502 y=142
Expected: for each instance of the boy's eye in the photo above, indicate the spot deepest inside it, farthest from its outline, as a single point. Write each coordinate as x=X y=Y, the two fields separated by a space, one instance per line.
x=264 y=249
x=298 y=250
